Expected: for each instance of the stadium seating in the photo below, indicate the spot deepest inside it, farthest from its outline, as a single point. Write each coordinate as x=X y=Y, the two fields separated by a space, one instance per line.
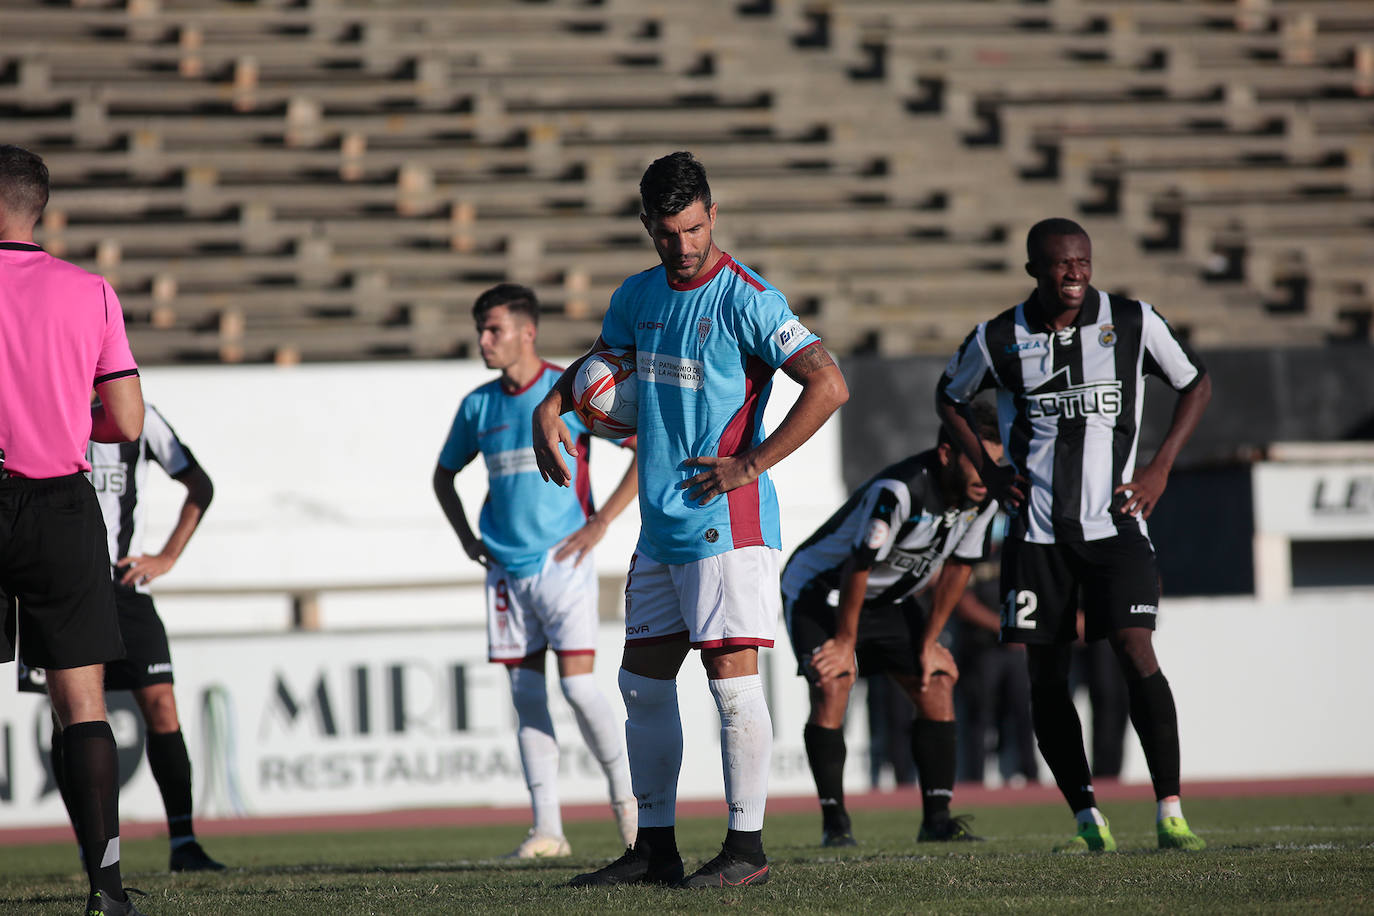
x=337 y=179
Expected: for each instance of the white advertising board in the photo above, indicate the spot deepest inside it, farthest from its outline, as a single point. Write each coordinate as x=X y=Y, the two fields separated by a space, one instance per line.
x=1315 y=501
x=313 y=723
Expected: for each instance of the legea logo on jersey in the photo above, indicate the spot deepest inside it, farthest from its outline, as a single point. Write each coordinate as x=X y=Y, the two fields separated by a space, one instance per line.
x=671 y=370
x=790 y=335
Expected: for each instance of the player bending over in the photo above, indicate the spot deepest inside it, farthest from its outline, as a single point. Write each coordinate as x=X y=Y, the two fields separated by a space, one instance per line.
x=851 y=591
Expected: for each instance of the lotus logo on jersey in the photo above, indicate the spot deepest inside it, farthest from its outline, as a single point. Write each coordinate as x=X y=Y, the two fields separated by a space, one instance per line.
x=1057 y=398
x=711 y=535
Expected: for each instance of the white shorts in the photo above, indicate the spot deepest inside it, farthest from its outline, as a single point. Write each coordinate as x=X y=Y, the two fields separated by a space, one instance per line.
x=730 y=599
x=554 y=607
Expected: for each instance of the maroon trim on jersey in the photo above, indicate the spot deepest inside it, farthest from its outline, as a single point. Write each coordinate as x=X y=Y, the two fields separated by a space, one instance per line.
x=704 y=278
x=656 y=640
x=734 y=641
x=508 y=662
x=746 y=527
x=744 y=275
x=544 y=364
x=584 y=476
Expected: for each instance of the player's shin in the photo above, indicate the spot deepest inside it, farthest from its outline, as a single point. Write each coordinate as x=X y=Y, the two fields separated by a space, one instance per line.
x=1156 y=722
x=933 y=748
x=1059 y=733
x=92 y=772
x=538 y=748
x=826 y=753
x=746 y=750
x=653 y=739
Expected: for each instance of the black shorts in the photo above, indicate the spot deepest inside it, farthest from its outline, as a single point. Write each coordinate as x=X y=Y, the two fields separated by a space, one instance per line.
x=888 y=640
x=149 y=659
x=54 y=563
x=1114 y=580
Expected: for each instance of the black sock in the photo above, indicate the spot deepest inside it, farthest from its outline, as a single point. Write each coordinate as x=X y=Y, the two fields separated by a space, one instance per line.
x=171 y=767
x=747 y=845
x=91 y=764
x=658 y=843
x=825 y=751
x=1060 y=737
x=933 y=747
x=59 y=776
x=1156 y=722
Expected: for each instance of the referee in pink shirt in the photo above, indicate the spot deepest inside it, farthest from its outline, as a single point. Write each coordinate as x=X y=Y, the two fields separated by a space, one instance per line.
x=61 y=333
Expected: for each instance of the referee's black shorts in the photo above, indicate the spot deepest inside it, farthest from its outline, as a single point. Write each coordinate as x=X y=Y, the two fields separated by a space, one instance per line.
x=149 y=659
x=1115 y=581
x=55 y=564
x=887 y=641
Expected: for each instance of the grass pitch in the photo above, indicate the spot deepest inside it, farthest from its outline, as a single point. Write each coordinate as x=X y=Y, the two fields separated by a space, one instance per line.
x=1271 y=854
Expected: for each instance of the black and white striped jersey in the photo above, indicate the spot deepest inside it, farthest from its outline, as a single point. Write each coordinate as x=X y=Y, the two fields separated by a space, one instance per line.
x=1069 y=405
x=119 y=473
x=899 y=527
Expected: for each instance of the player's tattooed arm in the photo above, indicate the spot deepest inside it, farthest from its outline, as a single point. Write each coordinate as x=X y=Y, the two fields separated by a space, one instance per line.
x=823 y=392
x=813 y=359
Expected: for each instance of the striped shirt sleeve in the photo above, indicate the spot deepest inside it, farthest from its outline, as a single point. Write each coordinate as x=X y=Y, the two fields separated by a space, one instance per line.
x=1166 y=355
x=968 y=371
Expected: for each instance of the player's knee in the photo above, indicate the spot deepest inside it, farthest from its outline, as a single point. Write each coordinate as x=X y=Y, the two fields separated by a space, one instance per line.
x=1135 y=651
x=528 y=690
x=647 y=696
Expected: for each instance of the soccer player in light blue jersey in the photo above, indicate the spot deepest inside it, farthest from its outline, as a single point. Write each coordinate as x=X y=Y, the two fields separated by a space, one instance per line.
x=536 y=546
x=708 y=333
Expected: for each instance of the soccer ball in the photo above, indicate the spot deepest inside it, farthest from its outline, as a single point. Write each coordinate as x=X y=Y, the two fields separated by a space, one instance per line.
x=606 y=393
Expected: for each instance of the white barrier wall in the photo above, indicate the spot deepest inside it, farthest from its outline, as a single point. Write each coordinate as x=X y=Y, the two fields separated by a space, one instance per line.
x=312 y=723
x=323 y=477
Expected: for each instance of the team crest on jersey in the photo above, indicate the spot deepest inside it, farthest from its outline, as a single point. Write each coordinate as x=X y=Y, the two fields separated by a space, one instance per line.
x=1106 y=335
x=703 y=328
x=877 y=534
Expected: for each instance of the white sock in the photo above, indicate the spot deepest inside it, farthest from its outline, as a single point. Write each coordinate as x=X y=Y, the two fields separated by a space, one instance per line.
x=601 y=730
x=1169 y=808
x=746 y=748
x=538 y=748
x=653 y=739
x=1090 y=816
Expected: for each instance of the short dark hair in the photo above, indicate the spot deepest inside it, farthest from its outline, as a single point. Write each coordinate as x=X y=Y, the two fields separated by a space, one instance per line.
x=671 y=184
x=1046 y=229
x=984 y=424
x=23 y=182
x=517 y=299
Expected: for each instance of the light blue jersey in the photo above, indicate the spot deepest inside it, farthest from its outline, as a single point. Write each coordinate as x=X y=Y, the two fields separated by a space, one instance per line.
x=706 y=353
x=522 y=516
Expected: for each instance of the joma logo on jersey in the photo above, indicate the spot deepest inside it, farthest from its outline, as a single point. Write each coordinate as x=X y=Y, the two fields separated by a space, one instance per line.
x=1077 y=401
x=913 y=564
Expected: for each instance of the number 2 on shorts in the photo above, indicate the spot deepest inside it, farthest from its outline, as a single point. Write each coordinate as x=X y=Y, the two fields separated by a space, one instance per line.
x=1018 y=610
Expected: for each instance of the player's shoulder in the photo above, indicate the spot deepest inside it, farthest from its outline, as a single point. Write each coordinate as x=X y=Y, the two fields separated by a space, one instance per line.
x=638 y=282
x=481 y=395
